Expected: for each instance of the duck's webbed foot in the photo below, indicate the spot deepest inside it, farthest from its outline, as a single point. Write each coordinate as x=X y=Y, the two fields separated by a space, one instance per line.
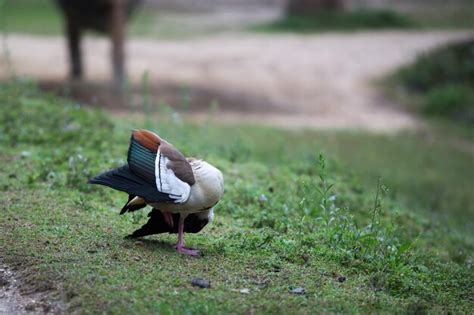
x=187 y=251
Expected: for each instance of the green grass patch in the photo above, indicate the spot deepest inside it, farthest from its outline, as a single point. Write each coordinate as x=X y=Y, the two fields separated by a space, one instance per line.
x=458 y=15
x=302 y=210
x=339 y=20
x=442 y=82
x=43 y=17
x=30 y=16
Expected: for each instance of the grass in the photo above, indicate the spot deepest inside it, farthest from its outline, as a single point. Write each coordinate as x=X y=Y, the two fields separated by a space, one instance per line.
x=441 y=83
x=41 y=17
x=459 y=15
x=303 y=210
x=32 y=17
x=339 y=21
x=452 y=15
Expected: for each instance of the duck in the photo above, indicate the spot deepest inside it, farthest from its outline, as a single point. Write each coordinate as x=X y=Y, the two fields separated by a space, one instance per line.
x=182 y=192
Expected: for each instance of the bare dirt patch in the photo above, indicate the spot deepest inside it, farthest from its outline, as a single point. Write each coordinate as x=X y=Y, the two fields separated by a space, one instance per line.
x=18 y=298
x=319 y=81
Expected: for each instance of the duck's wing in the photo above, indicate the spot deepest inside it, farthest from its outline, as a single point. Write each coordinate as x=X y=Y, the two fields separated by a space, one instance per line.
x=156 y=171
x=159 y=162
x=125 y=180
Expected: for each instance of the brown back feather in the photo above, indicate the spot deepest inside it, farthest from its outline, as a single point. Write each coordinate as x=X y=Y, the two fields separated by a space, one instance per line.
x=178 y=163
x=148 y=139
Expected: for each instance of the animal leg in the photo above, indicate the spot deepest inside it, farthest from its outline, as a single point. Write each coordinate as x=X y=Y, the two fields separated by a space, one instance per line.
x=168 y=218
x=180 y=246
x=117 y=32
x=73 y=32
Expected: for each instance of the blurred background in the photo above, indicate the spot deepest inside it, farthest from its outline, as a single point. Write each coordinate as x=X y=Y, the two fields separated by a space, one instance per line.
x=315 y=111
x=288 y=63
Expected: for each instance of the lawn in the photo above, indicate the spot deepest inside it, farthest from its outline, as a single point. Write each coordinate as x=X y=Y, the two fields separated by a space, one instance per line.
x=340 y=21
x=459 y=15
x=41 y=17
x=301 y=209
x=32 y=17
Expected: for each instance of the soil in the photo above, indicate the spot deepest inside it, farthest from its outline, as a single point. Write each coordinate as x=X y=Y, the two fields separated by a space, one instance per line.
x=14 y=300
x=319 y=81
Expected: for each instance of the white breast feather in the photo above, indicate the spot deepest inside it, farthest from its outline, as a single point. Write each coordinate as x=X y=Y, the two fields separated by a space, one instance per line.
x=167 y=182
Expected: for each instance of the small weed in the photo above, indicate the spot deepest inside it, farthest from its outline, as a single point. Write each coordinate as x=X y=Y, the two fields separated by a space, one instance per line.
x=374 y=248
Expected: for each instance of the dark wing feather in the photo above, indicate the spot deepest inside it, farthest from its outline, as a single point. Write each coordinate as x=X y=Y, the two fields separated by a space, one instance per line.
x=141 y=160
x=124 y=180
x=138 y=177
x=131 y=208
x=157 y=225
x=142 y=155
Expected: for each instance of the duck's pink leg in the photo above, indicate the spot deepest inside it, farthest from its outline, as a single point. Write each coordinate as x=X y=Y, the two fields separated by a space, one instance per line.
x=168 y=218
x=180 y=246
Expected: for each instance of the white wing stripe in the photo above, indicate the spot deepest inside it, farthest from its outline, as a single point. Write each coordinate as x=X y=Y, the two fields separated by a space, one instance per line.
x=167 y=182
x=158 y=178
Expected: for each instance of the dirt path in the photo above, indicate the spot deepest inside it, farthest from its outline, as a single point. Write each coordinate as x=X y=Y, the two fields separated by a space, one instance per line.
x=321 y=81
x=13 y=302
